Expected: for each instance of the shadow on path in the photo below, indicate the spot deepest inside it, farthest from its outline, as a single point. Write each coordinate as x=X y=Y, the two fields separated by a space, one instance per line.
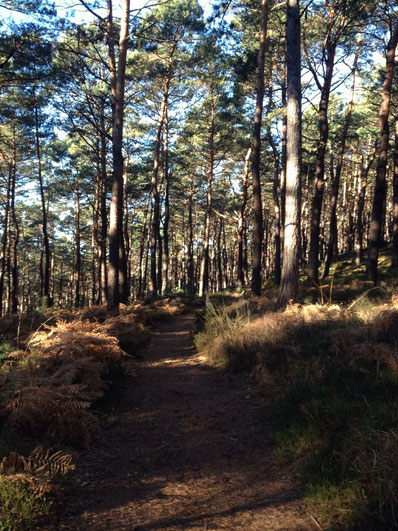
x=190 y=450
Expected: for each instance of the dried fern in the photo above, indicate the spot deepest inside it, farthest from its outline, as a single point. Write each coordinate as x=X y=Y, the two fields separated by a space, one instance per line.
x=41 y=462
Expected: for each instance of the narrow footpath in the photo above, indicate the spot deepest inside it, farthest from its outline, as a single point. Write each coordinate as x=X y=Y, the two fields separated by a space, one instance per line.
x=189 y=448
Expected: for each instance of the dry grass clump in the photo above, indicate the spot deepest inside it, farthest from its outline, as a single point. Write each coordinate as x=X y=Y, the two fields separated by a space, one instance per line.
x=332 y=375
x=232 y=337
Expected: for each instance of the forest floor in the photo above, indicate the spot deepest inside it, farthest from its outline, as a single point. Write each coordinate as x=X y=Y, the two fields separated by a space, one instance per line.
x=188 y=447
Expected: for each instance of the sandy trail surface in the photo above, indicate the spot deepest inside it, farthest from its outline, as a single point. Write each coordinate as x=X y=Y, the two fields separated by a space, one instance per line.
x=188 y=448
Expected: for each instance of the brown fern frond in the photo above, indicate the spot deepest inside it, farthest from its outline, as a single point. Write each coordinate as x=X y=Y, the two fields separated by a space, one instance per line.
x=41 y=462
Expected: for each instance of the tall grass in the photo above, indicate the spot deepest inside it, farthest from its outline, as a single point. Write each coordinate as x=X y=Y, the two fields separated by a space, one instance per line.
x=19 y=506
x=332 y=374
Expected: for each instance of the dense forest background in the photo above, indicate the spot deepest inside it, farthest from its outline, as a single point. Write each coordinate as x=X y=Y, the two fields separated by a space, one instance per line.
x=227 y=174
x=126 y=146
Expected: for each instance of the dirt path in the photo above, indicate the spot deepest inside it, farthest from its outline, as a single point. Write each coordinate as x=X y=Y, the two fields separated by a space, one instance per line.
x=189 y=450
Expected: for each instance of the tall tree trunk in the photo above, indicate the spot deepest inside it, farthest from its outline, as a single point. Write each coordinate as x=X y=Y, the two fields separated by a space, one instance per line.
x=166 y=254
x=124 y=278
x=226 y=280
x=283 y=155
x=190 y=264
x=116 y=292
x=103 y=276
x=95 y=239
x=241 y=220
x=4 y=240
x=143 y=241
x=277 y=212
x=291 y=249
x=204 y=267
x=77 y=264
x=155 y=172
x=8 y=270
x=46 y=240
x=257 y=203
x=14 y=267
x=394 y=261
x=313 y=255
x=333 y=243
x=380 y=185
x=218 y=236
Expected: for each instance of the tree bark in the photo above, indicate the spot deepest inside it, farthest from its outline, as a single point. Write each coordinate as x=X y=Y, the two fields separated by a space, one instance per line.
x=77 y=263
x=14 y=267
x=277 y=212
x=166 y=253
x=141 y=269
x=103 y=276
x=46 y=240
x=313 y=255
x=190 y=264
x=116 y=292
x=381 y=170
x=155 y=172
x=257 y=203
x=291 y=249
x=4 y=240
x=95 y=240
x=394 y=260
x=204 y=267
x=333 y=243
x=283 y=155
x=241 y=220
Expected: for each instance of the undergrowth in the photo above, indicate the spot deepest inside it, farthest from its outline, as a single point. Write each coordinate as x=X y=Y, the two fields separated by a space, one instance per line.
x=19 y=506
x=26 y=484
x=332 y=374
x=53 y=389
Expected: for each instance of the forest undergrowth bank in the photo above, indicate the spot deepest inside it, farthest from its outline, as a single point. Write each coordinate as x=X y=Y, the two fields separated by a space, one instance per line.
x=54 y=381
x=331 y=372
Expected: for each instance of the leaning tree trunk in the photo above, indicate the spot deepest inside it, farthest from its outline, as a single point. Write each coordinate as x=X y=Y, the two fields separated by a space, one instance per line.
x=381 y=170
x=117 y=266
x=257 y=203
x=291 y=249
x=313 y=255
x=332 y=243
